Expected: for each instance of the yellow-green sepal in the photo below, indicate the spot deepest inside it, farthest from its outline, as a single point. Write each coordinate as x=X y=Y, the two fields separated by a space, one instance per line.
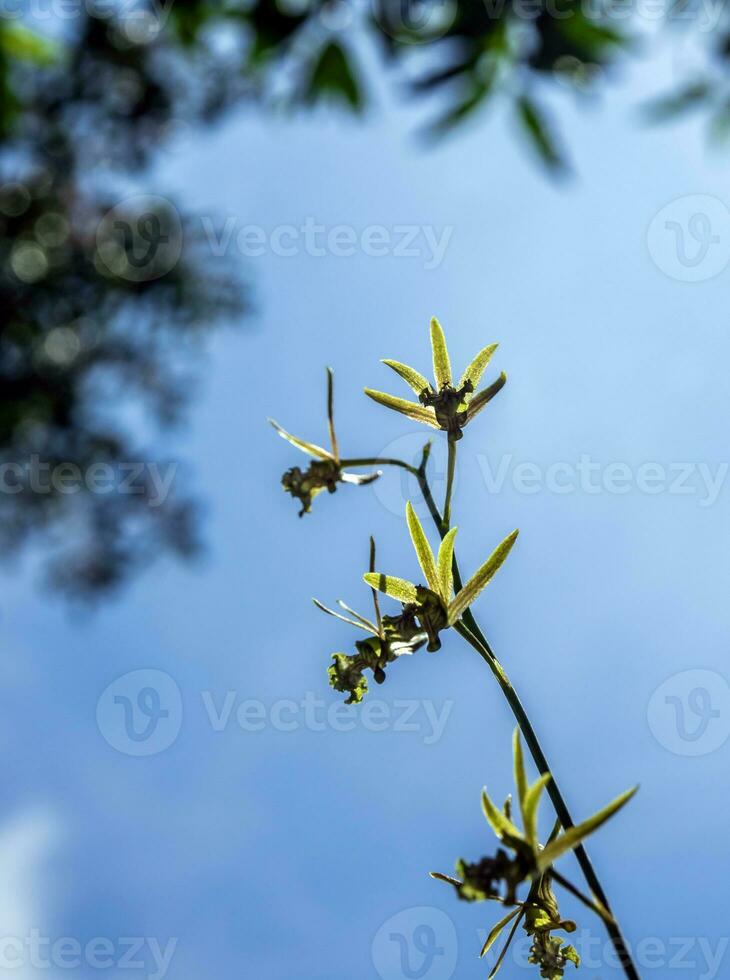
x=441 y=362
x=396 y=588
x=473 y=373
x=422 y=549
x=414 y=378
x=574 y=835
x=306 y=447
x=412 y=410
x=481 y=578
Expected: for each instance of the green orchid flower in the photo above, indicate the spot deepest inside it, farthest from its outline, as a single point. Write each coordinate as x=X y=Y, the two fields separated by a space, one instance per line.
x=390 y=637
x=325 y=471
x=443 y=405
x=435 y=606
x=498 y=878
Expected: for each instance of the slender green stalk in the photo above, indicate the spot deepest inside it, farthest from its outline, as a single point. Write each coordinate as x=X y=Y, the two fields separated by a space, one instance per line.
x=470 y=631
x=451 y=469
x=474 y=636
x=561 y=808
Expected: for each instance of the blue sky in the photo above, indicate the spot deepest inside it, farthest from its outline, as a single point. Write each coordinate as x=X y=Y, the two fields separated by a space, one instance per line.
x=265 y=841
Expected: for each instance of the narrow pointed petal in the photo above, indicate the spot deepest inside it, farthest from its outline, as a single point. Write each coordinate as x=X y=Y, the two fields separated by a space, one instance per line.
x=423 y=549
x=574 y=835
x=414 y=411
x=445 y=563
x=306 y=447
x=362 y=619
x=498 y=820
x=447 y=878
x=481 y=578
x=352 y=622
x=331 y=413
x=476 y=369
x=498 y=929
x=520 y=774
x=360 y=479
x=484 y=397
x=441 y=362
x=396 y=588
x=412 y=377
x=500 y=959
x=530 y=808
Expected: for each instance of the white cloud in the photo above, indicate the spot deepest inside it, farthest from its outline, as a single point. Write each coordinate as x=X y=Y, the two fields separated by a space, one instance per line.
x=26 y=843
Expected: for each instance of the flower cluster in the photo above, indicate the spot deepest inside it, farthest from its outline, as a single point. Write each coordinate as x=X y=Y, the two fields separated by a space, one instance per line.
x=390 y=637
x=399 y=635
x=325 y=471
x=435 y=605
x=443 y=405
x=530 y=863
x=425 y=610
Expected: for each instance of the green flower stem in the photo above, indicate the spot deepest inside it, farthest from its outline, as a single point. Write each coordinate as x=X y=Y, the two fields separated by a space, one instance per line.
x=553 y=790
x=446 y=522
x=469 y=630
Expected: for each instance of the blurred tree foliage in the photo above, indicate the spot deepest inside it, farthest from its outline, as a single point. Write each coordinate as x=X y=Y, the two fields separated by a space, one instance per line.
x=103 y=293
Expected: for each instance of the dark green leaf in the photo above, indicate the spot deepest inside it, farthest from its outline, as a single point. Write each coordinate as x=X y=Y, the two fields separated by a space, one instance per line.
x=538 y=130
x=669 y=107
x=332 y=76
